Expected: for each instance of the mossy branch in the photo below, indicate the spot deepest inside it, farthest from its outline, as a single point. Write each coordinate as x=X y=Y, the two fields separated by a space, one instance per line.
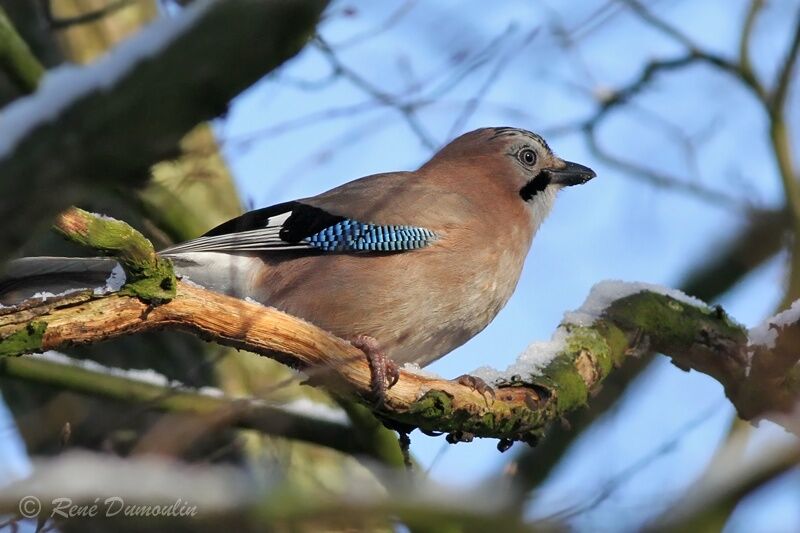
x=148 y=275
x=16 y=59
x=758 y=380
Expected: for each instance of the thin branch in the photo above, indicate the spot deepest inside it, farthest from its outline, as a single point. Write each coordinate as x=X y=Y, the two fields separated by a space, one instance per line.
x=780 y=137
x=711 y=500
x=215 y=495
x=492 y=77
x=16 y=59
x=661 y=179
x=660 y=24
x=745 y=64
x=693 y=50
x=407 y=111
x=396 y=16
x=786 y=70
x=615 y=483
x=84 y=18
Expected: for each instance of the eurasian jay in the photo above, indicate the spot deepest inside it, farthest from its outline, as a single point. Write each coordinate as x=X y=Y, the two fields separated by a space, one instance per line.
x=407 y=265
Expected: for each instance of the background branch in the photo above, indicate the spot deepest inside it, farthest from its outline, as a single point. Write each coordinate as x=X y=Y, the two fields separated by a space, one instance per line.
x=196 y=47
x=244 y=413
x=16 y=59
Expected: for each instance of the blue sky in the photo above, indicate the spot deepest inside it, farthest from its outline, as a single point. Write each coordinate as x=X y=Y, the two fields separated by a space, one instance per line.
x=615 y=227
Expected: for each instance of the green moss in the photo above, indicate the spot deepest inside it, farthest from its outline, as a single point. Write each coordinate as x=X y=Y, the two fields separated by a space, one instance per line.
x=434 y=405
x=671 y=324
x=154 y=282
x=25 y=340
x=589 y=355
x=591 y=340
x=616 y=341
x=569 y=388
x=435 y=411
x=148 y=276
x=586 y=350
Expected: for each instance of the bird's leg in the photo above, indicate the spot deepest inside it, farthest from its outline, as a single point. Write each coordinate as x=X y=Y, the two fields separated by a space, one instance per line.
x=476 y=384
x=384 y=371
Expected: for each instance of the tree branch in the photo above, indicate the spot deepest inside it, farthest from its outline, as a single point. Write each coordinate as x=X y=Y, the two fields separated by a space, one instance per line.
x=694 y=335
x=245 y=413
x=16 y=59
x=786 y=69
x=745 y=64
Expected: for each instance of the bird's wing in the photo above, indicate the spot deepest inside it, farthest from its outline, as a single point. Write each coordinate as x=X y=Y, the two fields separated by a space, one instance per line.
x=300 y=226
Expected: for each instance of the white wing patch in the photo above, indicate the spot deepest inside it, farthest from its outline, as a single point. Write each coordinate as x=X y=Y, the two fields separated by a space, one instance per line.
x=262 y=239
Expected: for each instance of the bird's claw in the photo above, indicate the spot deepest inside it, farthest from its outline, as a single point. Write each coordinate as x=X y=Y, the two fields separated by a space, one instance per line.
x=385 y=373
x=476 y=384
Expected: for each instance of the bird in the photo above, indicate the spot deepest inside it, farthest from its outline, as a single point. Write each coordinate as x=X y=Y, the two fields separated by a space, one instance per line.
x=405 y=265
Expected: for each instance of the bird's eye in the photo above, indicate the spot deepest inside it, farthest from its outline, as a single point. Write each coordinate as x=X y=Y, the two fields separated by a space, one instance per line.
x=527 y=157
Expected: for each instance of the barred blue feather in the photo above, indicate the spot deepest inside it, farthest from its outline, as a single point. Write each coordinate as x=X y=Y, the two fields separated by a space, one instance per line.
x=354 y=236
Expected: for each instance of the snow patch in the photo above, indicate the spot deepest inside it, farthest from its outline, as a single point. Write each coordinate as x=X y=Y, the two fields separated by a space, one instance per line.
x=102 y=216
x=114 y=282
x=45 y=295
x=766 y=334
x=311 y=409
x=185 y=279
x=530 y=362
x=116 y=279
x=535 y=358
x=299 y=406
x=605 y=293
x=251 y=301
x=414 y=368
x=150 y=377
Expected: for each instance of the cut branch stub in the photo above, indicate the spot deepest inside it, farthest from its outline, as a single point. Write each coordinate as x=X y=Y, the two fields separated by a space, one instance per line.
x=148 y=275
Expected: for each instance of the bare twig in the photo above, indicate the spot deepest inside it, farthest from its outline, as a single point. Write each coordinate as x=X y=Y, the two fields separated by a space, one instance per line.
x=406 y=110
x=660 y=24
x=786 y=69
x=492 y=77
x=745 y=64
x=389 y=22
x=84 y=18
x=660 y=179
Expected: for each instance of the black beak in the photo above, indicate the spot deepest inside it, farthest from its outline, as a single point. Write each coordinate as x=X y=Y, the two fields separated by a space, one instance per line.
x=569 y=174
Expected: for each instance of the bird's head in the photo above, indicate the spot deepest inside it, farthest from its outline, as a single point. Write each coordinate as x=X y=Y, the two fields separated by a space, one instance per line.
x=517 y=160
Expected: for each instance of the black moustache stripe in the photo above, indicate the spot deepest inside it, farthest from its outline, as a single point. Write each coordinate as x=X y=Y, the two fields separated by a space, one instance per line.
x=536 y=185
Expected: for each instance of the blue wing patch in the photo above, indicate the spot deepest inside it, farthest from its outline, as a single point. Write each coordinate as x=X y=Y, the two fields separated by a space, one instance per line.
x=353 y=236
x=296 y=226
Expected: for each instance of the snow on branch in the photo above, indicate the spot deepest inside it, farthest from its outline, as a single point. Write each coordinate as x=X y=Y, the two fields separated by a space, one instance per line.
x=105 y=124
x=617 y=321
x=301 y=419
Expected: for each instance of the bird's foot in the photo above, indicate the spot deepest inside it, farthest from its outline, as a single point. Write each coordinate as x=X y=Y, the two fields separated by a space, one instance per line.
x=384 y=371
x=476 y=384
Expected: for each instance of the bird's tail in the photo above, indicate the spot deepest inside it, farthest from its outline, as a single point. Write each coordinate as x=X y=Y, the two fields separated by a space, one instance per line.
x=29 y=276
